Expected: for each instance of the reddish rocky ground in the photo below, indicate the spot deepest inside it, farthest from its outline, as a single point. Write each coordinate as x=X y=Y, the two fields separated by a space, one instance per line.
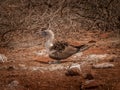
x=27 y=70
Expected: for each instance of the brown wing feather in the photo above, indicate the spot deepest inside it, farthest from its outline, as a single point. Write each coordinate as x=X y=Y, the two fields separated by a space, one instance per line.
x=59 y=46
x=62 y=50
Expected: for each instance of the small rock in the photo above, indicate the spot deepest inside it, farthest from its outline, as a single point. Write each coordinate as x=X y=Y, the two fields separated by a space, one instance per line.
x=11 y=68
x=94 y=58
x=77 y=55
x=103 y=65
x=115 y=59
x=42 y=53
x=54 y=67
x=88 y=76
x=74 y=70
x=91 y=84
x=22 y=66
x=3 y=58
x=92 y=41
x=34 y=68
x=13 y=83
x=3 y=67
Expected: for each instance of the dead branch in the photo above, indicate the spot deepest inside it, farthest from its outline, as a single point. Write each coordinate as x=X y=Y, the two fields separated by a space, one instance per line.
x=109 y=4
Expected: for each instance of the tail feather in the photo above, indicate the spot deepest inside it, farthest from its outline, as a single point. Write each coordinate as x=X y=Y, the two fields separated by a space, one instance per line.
x=83 y=47
x=80 y=46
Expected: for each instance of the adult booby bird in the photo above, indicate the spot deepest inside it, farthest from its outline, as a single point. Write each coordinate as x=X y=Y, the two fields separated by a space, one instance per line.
x=60 y=50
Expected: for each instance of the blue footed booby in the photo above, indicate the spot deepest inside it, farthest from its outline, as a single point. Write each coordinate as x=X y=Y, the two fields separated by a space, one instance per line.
x=60 y=50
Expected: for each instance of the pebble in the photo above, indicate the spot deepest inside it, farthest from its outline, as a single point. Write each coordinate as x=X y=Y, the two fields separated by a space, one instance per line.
x=3 y=58
x=74 y=70
x=91 y=84
x=103 y=65
x=9 y=68
x=115 y=59
x=13 y=83
x=89 y=76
